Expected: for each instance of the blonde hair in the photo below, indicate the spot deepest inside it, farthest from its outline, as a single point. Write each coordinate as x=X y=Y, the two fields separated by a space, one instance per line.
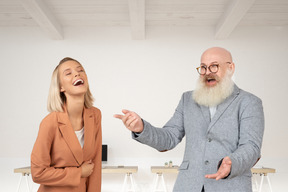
x=56 y=98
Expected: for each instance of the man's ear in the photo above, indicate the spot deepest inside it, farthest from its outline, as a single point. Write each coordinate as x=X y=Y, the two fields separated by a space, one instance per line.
x=232 y=67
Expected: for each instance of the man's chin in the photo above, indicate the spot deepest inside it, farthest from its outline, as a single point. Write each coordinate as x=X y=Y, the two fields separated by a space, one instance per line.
x=212 y=93
x=210 y=85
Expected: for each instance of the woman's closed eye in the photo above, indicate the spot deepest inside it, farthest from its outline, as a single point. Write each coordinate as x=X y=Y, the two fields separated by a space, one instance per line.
x=68 y=73
x=80 y=69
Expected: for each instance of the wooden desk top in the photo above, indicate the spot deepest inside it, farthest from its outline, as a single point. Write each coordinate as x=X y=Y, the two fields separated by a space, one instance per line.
x=174 y=169
x=119 y=169
x=105 y=169
x=23 y=170
x=163 y=169
x=154 y=169
x=263 y=170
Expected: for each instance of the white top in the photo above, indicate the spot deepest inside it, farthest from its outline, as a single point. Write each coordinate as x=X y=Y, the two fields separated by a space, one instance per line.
x=212 y=111
x=80 y=136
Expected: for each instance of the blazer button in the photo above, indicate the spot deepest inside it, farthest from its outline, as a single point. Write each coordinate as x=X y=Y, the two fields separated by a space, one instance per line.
x=206 y=162
x=209 y=139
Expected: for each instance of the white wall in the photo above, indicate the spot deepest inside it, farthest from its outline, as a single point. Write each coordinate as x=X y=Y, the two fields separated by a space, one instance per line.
x=146 y=76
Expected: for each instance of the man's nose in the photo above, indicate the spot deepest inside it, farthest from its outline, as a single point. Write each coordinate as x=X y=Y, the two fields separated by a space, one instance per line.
x=208 y=72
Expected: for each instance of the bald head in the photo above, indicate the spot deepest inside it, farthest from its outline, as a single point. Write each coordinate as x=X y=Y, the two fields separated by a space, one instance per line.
x=216 y=54
x=215 y=83
x=222 y=59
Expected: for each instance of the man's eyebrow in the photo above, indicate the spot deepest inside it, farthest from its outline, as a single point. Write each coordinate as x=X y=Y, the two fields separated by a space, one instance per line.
x=214 y=62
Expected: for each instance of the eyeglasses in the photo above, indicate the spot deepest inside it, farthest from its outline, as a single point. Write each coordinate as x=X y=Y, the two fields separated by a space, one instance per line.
x=202 y=70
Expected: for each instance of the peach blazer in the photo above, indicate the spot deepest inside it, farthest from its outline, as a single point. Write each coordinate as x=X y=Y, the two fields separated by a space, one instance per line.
x=57 y=155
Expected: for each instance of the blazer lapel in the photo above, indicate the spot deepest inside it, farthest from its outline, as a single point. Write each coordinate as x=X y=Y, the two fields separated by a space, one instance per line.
x=88 y=129
x=223 y=106
x=69 y=136
x=206 y=114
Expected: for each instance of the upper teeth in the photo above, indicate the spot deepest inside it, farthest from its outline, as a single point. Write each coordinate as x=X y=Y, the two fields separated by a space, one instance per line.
x=78 y=81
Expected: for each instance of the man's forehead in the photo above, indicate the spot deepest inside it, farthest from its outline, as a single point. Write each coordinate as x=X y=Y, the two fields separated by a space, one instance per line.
x=210 y=58
x=215 y=57
x=216 y=54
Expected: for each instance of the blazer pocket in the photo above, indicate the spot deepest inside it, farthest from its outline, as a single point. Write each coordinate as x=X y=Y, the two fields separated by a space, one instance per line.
x=184 y=165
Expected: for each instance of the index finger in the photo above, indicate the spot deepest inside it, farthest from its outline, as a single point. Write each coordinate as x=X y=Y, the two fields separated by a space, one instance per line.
x=125 y=111
x=118 y=116
x=212 y=176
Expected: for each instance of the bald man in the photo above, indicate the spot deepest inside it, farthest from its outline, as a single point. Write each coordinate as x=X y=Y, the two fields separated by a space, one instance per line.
x=223 y=125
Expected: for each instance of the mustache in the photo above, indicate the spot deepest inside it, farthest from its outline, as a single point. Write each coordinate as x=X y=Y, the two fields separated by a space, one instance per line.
x=210 y=76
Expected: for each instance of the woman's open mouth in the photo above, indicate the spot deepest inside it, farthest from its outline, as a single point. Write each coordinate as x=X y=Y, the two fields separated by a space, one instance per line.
x=78 y=82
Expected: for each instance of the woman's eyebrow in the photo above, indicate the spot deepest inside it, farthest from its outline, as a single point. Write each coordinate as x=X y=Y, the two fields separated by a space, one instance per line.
x=66 y=70
x=79 y=67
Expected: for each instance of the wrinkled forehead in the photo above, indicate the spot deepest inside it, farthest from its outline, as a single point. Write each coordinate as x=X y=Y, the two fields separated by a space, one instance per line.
x=216 y=55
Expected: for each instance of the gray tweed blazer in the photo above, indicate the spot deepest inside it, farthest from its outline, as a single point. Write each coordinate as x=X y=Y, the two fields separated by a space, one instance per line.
x=236 y=130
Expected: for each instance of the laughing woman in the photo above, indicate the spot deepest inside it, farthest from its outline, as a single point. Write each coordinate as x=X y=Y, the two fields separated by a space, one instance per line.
x=67 y=153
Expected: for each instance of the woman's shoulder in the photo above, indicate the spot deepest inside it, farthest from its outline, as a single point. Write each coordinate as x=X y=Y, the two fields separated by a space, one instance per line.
x=49 y=120
x=49 y=124
x=95 y=110
x=50 y=117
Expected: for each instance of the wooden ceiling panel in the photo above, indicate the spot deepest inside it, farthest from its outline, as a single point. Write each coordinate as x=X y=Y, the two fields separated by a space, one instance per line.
x=55 y=14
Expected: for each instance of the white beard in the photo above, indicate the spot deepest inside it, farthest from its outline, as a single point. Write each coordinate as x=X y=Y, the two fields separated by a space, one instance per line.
x=213 y=96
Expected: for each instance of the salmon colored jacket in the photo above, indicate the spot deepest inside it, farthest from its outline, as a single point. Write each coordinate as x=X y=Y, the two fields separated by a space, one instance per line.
x=57 y=155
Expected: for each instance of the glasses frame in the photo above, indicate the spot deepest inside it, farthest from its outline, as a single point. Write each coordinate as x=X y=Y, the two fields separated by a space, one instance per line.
x=198 y=68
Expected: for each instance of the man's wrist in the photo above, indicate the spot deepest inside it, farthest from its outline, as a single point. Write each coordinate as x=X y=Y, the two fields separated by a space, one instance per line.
x=218 y=166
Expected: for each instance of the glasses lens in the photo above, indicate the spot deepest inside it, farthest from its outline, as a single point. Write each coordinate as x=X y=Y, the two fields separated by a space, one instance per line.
x=202 y=70
x=213 y=68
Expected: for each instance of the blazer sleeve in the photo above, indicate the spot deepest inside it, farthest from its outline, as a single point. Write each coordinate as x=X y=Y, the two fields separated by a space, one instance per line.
x=251 y=132
x=41 y=169
x=94 y=180
x=165 y=138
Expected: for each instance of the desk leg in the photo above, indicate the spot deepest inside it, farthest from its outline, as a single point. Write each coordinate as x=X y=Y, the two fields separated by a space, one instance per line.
x=27 y=182
x=164 y=184
x=132 y=183
x=261 y=183
x=19 y=183
x=156 y=182
x=126 y=182
x=159 y=175
x=269 y=183
x=254 y=179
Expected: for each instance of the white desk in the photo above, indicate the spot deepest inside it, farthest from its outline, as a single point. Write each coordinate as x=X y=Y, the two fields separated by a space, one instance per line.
x=263 y=172
x=25 y=172
x=127 y=170
x=159 y=170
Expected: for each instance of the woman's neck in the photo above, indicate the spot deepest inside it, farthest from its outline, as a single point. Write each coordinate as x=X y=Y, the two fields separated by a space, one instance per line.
x=75 y=107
